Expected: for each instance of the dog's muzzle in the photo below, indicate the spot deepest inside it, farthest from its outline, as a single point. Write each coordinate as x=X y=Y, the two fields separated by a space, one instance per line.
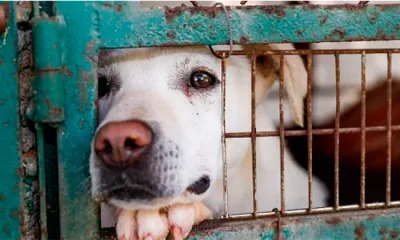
x=135 y=164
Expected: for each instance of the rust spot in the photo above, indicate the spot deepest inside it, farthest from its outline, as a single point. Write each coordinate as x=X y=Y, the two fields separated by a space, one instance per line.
x=299 y=33
x=47 y=70
x=1 y=197
x=243 y=40
x=383 y=231
x=117 y=7
x=360 y=231
x=15 y=213
x=172 y=13
x=171 y=34
x=394 y=234
x=68 y=73
x=210 y=11
x=336 y=33
x=1 y=62
x=333 y=221
x=277 y=10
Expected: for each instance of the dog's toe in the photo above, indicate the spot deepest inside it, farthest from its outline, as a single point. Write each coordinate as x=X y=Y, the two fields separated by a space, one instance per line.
x=155 y=224
x=152 y=224
x=182 y=217
x=126 y=226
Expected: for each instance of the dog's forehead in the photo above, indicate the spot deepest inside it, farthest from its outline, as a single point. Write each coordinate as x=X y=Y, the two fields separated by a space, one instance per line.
x=146 y=55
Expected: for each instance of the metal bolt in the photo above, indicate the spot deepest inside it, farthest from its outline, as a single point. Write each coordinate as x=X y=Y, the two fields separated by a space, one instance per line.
x=3 y=17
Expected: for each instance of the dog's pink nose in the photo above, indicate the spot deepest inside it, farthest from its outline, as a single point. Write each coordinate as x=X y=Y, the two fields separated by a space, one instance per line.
x=122 y=143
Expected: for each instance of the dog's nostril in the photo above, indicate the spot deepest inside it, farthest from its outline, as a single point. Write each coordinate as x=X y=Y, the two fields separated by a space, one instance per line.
x=130 y=144
x=108 y=148
x=200 y=186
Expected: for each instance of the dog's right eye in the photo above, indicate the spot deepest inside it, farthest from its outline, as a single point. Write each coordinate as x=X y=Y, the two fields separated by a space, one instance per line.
x=104 y=86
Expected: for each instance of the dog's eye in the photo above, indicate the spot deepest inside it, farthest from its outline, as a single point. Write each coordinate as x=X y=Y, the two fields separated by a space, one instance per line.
x=104 y=86
x=201 y=79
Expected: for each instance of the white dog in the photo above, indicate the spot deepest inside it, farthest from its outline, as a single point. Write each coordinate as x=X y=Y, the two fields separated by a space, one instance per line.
x=156 y=155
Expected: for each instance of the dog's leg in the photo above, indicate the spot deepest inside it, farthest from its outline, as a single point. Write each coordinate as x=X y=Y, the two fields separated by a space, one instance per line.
x=156 y=224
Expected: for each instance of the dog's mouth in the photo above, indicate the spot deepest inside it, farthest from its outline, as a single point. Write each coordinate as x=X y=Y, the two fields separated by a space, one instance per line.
x=128 y=193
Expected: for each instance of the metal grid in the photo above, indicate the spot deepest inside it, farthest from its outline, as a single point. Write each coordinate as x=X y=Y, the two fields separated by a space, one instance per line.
x=336 y=131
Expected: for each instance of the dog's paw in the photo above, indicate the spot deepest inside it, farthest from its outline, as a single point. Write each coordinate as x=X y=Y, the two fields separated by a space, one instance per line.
x=182 y=217
x=156 y=224
x=126 y=227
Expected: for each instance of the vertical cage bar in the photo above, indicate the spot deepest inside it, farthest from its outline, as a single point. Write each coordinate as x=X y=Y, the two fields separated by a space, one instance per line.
x=282 y=131
x=223 y=126
x=389 y=129
x=363 y=132
x=337 y=127
x=309 y=128
x=253 y=132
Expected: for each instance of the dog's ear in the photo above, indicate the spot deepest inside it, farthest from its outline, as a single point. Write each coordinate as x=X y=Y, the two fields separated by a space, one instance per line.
x=295 y=75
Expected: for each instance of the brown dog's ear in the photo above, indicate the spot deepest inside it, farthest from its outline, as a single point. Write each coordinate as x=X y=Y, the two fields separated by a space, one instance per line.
x=295 y=75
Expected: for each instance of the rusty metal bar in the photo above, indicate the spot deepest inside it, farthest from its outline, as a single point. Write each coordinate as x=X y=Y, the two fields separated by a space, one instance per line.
x=363 y=132
x=389 y=129
x=253 y=132
x=337 y=127
x=319 y=210
x=282 y=132
x=325 y=131
x=309 y=128
x=223 y=137
x=314 y=51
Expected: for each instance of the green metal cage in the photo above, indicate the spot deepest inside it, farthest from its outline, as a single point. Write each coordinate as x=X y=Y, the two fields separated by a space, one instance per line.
x=48 y=112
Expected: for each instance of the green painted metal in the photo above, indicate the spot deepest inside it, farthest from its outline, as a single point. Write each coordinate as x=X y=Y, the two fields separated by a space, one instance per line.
x=78 y=211
x=72 y=61
x=266 y=24
x=371 y=224
x=376 y=224
x=11 y=171
x=47 y=86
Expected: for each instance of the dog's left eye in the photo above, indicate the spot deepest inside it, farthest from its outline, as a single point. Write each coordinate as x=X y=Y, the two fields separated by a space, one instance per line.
x=201 y=79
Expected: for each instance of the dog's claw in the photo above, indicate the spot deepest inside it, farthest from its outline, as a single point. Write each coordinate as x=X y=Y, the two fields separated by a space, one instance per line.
x=177 y=233
x=155 y=225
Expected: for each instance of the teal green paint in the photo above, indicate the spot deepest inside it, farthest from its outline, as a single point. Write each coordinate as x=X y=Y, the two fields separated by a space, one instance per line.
x=78 y=212
x=91 y=25
x=47 y=86
x=364 y=225
x=10 y=178
x=267 y=24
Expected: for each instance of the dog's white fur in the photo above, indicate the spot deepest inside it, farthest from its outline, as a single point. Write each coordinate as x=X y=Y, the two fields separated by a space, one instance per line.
x=149 y=92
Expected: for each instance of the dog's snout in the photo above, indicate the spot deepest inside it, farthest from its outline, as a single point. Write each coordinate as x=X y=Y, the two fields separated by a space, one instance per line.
x=120 y=144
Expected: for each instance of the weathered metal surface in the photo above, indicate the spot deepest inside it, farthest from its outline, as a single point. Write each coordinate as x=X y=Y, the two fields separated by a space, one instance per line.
x=371 y=224
x=78 y=211
x=4 y=15
x=30 y=193
x=263 y=24
x=92 y=25
x=48 y=83
x=11 y=171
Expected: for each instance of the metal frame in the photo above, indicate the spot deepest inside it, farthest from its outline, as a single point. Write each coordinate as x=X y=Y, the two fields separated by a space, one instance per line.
x=76 y=32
